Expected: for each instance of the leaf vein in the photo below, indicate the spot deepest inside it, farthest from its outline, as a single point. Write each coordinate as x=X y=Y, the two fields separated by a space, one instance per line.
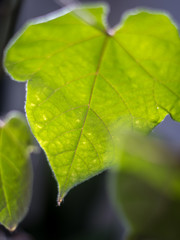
x=59 y=88
x=10 y=163
x=91 y=93
x=121 y=97
x=62 y=113
x=100 y=160
x=61 y=50
x=144 y=69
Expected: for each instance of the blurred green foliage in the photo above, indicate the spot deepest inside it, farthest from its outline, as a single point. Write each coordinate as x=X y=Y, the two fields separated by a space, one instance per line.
x=147 y=187
x=15 y=170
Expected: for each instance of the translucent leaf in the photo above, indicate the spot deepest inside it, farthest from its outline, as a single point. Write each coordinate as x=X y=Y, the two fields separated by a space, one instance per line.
x=85 y=80
x=15 y=170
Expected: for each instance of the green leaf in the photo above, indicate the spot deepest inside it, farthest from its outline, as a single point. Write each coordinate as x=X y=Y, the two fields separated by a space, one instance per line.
x=146 y=187
x=84 y=81
x=151 y=160
x=15 y=170
x=148 y=213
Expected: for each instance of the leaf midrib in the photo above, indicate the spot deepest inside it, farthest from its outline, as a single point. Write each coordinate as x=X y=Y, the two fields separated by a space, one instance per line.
x=143 y=68
x=88 y=108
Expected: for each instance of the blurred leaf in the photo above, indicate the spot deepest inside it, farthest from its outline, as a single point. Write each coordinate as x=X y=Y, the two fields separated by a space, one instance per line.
x=150 y=159
x=86 y=79
x=15 y=170
x=149 y=214
x=147 y=187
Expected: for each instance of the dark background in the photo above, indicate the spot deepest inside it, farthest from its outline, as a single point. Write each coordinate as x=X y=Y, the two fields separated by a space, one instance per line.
x=87 y=212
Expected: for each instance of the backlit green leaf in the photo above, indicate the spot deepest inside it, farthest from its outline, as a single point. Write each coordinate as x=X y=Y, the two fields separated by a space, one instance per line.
x=84 y=80
x=15 y=170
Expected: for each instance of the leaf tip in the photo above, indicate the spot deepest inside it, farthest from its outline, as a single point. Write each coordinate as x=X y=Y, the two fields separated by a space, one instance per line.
x=59 y=201
x=12 y=228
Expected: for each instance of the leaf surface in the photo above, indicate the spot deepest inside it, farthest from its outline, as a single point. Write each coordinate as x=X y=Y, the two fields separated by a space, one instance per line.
x=15 y=170
x=84 y=82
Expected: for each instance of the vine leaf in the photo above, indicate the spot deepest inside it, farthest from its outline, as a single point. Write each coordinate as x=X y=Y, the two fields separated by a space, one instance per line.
x=15 y=170
x=84 y=80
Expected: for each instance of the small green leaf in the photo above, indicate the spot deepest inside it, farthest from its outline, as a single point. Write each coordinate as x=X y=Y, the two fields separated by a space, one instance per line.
x=15 y=170
x=84 y=81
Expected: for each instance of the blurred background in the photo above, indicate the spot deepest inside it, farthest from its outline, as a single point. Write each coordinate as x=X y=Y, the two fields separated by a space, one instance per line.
x=87 y=212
